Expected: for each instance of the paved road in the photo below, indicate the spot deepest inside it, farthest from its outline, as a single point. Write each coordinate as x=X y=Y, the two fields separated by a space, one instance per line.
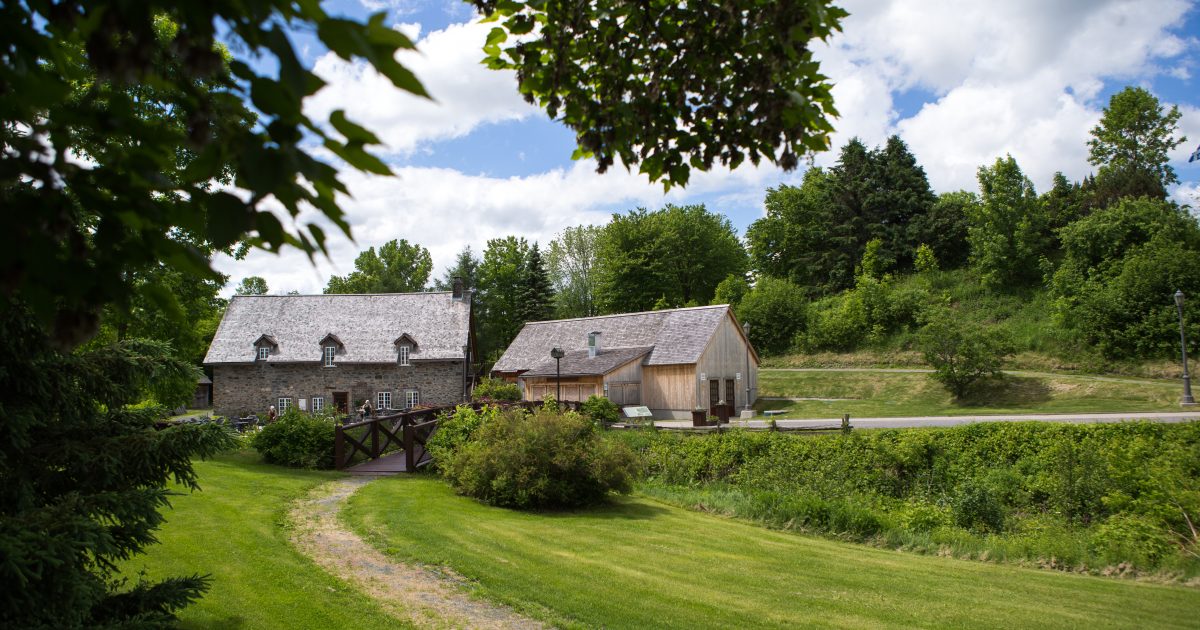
x=951 y=421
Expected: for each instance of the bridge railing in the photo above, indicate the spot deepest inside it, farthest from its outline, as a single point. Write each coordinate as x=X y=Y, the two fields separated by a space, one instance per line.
x=371 y=438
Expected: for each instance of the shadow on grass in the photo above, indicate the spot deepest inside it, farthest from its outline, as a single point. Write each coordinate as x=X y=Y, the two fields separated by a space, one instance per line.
x=616 y=508
x=1007 y=391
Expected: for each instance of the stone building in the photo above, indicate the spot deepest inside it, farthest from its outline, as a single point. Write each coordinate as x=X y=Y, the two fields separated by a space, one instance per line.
x=398 y=350
x=672 y=361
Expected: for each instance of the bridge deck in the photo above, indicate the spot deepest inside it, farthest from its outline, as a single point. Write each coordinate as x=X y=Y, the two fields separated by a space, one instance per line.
x=386 y=465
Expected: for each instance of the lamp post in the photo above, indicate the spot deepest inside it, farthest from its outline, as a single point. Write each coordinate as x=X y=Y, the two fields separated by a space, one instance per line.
x=746 y=329
x=558 y=354
x=1187 y=379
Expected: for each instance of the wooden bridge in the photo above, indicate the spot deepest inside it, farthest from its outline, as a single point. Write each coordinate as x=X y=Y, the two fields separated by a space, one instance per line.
x=395 y=442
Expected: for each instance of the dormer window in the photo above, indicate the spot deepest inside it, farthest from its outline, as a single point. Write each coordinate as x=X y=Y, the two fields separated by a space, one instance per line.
x=263 y=346
x=329 y=347
x=402 y=352
x=405 y=346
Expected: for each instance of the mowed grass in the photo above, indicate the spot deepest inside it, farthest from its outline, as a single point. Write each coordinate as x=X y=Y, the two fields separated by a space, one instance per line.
x=234 y=529
x=642 y=564
x=881 y=394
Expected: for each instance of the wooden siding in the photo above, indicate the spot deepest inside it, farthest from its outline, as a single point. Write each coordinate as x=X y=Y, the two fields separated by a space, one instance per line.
x=669 y=386
x=573 y=387
x=725 y=358
x=629 y=373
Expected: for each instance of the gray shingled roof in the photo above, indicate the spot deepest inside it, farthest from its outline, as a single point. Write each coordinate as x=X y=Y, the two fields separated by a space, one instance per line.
x=578 y=363
x=367 y=326
x=677 y=336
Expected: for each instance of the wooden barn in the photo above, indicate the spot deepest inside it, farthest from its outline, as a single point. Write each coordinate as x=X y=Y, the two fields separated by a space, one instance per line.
x=671 y=361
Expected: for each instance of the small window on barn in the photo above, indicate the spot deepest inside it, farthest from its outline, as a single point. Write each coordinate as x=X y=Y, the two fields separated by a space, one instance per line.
x=318 y=403
x=412 y=398
x=329 y=352
x=402 y=353
x=263 y=353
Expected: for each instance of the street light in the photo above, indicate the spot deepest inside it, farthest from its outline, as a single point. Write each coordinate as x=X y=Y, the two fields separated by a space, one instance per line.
x=1187 y=379
x=558 y=354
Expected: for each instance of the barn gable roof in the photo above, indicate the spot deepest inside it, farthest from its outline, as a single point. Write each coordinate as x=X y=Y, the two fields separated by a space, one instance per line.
x=366 y=326
x=676 y=336
x=578 y=363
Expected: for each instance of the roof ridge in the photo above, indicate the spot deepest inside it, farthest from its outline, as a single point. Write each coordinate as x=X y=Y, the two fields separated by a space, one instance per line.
x=666 y=310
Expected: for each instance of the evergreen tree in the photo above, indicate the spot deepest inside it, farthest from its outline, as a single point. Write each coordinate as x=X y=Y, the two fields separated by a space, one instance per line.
x=899 y=196
x=944 y=228
x=499 y=302
x=537 y=294
x=83 y=476
x=851 y=186
x=466 y=266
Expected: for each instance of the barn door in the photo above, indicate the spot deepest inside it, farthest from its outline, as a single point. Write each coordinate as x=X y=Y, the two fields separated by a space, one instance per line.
x=714 y=392
x=730 y=392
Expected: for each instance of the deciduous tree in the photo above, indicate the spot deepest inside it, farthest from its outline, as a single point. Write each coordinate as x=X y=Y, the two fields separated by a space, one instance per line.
x=252 y=285
x=571 y=261
x=399 y=267
x=1130 y=145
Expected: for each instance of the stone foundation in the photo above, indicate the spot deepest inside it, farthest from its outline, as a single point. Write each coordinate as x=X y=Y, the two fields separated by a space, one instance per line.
x=240 y=389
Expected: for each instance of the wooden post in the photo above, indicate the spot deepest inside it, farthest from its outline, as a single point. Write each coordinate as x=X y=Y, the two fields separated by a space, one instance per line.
x=410 y=455
x=374 y=440
x=846 y=423
x=338 y=446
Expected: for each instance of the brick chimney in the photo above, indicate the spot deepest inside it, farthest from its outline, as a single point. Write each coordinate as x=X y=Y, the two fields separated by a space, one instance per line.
x=458 y=288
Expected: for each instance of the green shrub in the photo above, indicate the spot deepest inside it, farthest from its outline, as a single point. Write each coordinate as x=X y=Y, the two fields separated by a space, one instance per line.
x=495 y=389
x=977 y=507
x=962 y=355
x=601 y=409
x=455 y=429
x=541 y=459
x=1126 y=537
x=297 y=439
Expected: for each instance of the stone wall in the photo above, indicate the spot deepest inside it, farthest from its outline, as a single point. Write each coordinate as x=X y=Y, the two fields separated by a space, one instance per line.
x=240 y=389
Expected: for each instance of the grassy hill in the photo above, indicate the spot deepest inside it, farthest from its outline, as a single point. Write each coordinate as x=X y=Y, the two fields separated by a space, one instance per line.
x=1027 y=317
x=866 y=392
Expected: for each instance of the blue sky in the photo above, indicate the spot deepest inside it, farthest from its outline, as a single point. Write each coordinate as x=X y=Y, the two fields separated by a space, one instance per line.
x=961 y=82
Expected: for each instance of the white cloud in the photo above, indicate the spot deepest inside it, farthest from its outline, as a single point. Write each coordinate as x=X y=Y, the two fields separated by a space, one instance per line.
x=1017 y=77
x=465 y=93
x=444 y=210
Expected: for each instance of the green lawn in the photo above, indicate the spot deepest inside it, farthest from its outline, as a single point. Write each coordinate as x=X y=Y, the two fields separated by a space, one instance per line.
x=638 y=564
x=234 y=530
x=874 y=394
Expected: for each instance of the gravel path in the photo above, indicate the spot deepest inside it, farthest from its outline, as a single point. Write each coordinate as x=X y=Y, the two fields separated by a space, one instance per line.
x=410 y=593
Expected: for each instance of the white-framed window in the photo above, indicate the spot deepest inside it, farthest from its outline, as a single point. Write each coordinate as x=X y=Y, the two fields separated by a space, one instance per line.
x=383 y=401
x=328 y=353
x=402 y=354
x=412 y=398
x=318 y=403
x=284 y=405
x=263 y=353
